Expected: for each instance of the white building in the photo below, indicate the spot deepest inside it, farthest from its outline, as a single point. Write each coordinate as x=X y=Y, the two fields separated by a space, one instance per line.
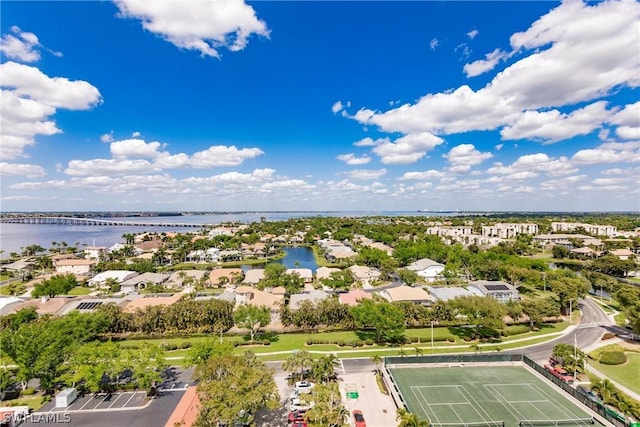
x=596 y=230
x=75 y=266
x=119 y=275
x=428 y=269
x=509 y=230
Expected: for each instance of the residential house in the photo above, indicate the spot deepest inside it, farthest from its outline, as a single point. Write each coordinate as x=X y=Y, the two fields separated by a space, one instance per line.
x=427 y=269
x=77 y=266
x=142 y=281
x=253 y=276
x=97 y=253
x=187 y=410
x=565 y=240
x=364 y=274
x=501 y=291
x=204 y=255
x=258 y=298
x=623 y=254
x=118 y=275
x=151 y=300
x=177 y=279
x=230 y=255
x=448 y=293
x=584 y=251
x=407 y=293
x=314 y=296
x=353 y=297
x=44 y=305
x=224 y=276
x=304 y=273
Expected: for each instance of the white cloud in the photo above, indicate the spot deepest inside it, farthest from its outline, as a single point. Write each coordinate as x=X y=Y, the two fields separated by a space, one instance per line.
x=628 y=121
x=539 y=162
x=364 y=174
x=481 y=66
x=552 y=126
x=407 y=149
x=204 y=26
x=463 y=156
x=370 y=142
x=609 y=153
x=135 y=148
x=20 y=47
x=426 y=175
x=220 y=155
x=433 y=44
x=337 y=107
x=107 y=137
x=296 y=184
x=575 y=53
x=107 y=167
x=472 y=34
x=136 y=134
x=29 y=98
x=30 y=171
x=352 y=159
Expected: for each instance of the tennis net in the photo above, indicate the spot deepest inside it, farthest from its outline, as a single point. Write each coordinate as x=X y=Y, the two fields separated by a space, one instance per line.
x=551 y=423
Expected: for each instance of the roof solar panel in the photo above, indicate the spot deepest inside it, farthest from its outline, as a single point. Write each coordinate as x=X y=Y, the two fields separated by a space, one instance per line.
x=496 y=287
x=88 y=305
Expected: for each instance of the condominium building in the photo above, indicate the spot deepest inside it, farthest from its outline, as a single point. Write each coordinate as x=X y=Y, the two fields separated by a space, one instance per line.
x=509 y=230
x=596 y=230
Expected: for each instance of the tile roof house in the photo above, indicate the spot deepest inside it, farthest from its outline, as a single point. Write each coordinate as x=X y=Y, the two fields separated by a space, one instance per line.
x=176 y=280
x=142 y=281
x=95 y=252
x=407 y=293
x=314 y=296
x=501 y=291
x=45 y=305
x=325 y=272
x=365 y=275
x=119 y=275
x=253 y=276
x=305 y=273
x=353 y=297
x=143 y=302
x=75 y=266
x=426 y=268
x=258 y=298
x=448 y=293
x=623 y=254
x=187 y=410
x=222 y=276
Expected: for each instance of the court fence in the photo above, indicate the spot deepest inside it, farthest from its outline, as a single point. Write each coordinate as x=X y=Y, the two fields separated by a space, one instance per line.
x=605 y=412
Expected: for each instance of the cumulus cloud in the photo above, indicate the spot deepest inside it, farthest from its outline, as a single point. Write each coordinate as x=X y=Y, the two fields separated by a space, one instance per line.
x=481 y=66
x=337 y=107
x=30 y=171
x=538 y=162
x=107 y=137
x=421 y=176
x=370 y=142
x=135 y=148
x=20 y=46
x=366 y=174
x=433 y=44
x=628 y=121
x=407 y=149
x=472 y=34
x=29 y=98
x=462 y=157
x=221 y=155
x=552 y=126
x=203 y=26
x=565 y=58
x=352 y=159
x=609 y=152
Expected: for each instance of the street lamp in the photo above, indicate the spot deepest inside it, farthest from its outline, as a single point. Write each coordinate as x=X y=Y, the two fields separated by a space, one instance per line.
x=432 y=336
x=570 y=312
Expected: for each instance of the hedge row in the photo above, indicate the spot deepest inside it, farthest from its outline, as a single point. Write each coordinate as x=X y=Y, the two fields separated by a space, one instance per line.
x=613 y=358
x=340 y=343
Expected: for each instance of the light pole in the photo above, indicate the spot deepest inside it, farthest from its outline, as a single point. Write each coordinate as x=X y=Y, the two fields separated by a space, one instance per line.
x=570 y=313
x=432 y=336
x=575 y=355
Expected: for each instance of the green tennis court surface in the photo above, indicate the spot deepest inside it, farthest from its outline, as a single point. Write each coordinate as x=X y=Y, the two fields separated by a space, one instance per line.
x=470 y=395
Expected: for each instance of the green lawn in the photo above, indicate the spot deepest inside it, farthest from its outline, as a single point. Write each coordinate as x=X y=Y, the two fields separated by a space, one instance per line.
x=626 y=374
x=34 y=402
x=80 y=290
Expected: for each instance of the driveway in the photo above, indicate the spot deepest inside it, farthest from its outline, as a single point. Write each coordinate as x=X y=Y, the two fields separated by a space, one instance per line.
x=378 y=409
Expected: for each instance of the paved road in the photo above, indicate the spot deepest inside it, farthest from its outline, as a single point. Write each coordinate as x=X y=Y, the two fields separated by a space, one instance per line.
x=593 y=324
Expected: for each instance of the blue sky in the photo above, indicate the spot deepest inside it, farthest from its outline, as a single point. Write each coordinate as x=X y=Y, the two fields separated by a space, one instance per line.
x=227 y=105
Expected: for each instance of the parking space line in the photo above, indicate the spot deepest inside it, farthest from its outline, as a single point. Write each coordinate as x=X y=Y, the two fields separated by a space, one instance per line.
x=88 y=401
x=119 y=396
x=132 y=395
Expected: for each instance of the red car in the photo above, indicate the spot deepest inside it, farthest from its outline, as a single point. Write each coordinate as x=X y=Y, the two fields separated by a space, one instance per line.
x=296 y=417
x=299 y=424
x=358 y=418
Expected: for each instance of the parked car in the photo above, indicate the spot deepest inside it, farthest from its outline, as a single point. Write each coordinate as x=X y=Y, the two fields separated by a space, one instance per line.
x=304 y=386
x=358 y=418
x=300 y=424
x=296 y=416
x=300 y=405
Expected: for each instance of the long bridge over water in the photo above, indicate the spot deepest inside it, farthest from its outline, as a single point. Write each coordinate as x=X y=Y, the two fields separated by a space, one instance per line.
x=63 y=220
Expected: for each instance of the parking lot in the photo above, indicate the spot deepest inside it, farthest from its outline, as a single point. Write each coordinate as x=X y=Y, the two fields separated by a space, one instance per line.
x=102 y=401
x=378 y=409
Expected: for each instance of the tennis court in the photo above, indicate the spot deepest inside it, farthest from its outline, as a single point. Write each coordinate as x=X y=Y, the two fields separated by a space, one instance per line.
x=507 y=396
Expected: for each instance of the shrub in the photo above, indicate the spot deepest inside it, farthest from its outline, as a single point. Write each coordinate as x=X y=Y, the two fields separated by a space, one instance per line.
x=608 y=336
x=172 y=347
x=341 y=343
x=29 y=391
x=266 y=342
x=359 y=343
x=414 y=339
x=517 y=330
x=613 y=358
x=185 y=345
x=310 y=341
x=131 y=346
x=164 y=345
x=368 y=341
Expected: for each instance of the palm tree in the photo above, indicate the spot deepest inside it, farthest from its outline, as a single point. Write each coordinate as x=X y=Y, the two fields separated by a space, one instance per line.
x=402 y=352
x=297 y=361
x=409 y=419
x=606 y=389
x=419 y=351
x=376 y=359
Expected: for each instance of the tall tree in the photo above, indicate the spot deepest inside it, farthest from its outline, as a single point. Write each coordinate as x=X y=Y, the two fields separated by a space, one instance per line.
x=384 y=317
x=252 y=318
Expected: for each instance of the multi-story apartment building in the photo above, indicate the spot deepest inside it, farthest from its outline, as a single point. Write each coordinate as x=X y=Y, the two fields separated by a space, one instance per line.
x=450 y=230
x=509 y=230
x=595 y=230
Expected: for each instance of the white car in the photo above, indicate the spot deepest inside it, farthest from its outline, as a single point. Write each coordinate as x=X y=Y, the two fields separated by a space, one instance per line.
x=300 y=405
x=304 y=386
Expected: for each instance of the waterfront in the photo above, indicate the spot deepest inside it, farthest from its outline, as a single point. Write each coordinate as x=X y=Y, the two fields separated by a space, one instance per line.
x=15 y=236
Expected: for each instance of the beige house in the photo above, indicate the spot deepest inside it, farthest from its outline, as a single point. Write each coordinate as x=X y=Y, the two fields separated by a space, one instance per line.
x=258 y=298
x=253 y=276
x=623 y=254
x=365 y=275
x=144 y=302
x=75 y=266
x=407 y=293
x=353 y=297
x=305 y=274
x=325 y=272
x=223 y=276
